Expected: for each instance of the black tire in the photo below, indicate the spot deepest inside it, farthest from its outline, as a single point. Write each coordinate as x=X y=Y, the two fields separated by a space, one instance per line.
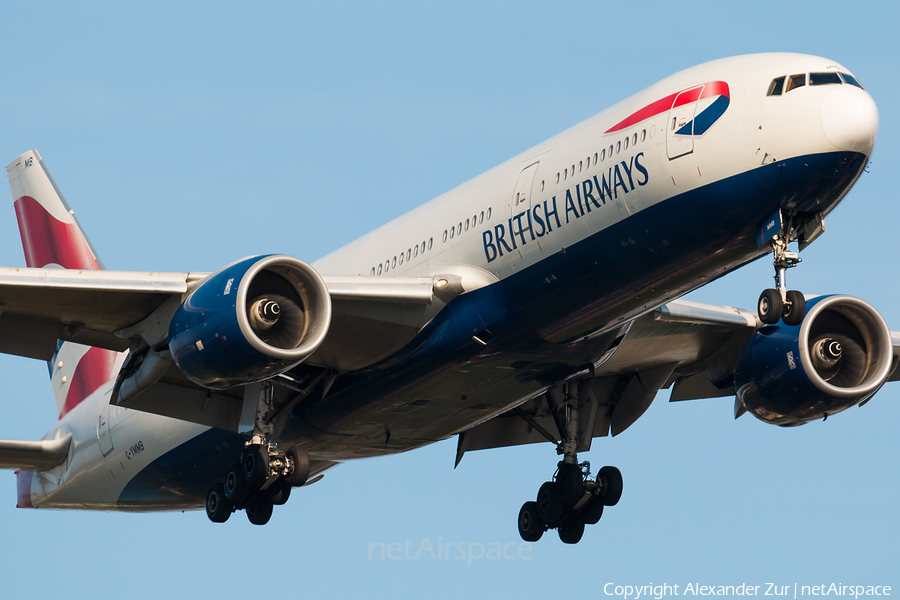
x=592 y=511
x=571 y=531
x=612 y=485
x=770 y=306
x=255 y=465
x=531 y=526
x=570 y=484
x=235 y=487
x=300 y=459
x=280 y=492
x=549 y=505
x=218 y=508
x=793 y=314
x=260 y=511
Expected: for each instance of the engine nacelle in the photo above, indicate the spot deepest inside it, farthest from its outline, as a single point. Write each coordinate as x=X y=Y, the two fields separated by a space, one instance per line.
x=254 y=319
x=840 y=355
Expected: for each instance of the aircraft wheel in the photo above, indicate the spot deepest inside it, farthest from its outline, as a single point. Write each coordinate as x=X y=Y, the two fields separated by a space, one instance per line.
x=260 y=511
x=793 y=314
x=300 y=458
x=592 y=511
x=531 y=526
x=770 y=306
x=281 y=491
x=235 y=487
x=612 y=479
x=218 y=508
x=569 y=483
x=255 y=465
x=571 y=531
x=549 y=505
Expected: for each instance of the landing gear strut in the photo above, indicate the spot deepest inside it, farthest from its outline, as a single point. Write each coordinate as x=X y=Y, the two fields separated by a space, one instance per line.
x=263 y=477
x=781 y=303
x=572 y=499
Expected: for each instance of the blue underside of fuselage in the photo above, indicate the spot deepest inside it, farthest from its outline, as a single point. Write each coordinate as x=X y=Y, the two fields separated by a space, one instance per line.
x=649 y=258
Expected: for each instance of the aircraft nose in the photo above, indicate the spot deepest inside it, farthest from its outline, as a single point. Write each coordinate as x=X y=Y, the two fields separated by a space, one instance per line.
x=850 y=119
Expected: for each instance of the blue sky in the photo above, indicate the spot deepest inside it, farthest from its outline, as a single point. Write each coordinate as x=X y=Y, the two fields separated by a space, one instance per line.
x=187 y=135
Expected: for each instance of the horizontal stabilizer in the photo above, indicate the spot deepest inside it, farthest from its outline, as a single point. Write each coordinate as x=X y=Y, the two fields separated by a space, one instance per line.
x=34 y=455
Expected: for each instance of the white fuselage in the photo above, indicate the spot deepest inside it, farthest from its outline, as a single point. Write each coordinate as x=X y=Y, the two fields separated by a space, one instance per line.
x=520 y=213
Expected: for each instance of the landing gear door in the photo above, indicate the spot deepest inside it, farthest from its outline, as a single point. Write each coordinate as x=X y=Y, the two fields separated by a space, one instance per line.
x=680 y=126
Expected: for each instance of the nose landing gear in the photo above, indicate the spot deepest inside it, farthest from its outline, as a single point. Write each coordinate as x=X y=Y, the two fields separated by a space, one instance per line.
x=781 y=303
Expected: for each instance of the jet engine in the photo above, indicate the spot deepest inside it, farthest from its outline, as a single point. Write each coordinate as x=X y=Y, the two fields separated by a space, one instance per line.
x=249 y=321
x=840 y=355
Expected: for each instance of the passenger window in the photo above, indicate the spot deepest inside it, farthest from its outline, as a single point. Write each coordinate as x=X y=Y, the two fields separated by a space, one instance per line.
x=489 y=213
x=542 y=185
x=557 y=178
x=618 y=147
x=626 y=144
x=566 y=174
x=387 y=265
x=452 y=231
x=573 y=169
x=603 y=155
x=373 y=271
x=579 y=167
x=634 y=139
x=596 y=156
x=824 y=78
x=643 y=135
x=379 y=269
x=609 y=152
x=848 y=78
x=416 y=249
x=474 y=220
x=796 y=81
x=445 y=236
x=481 y=217
x=408 y=253
x=776 y=87
x=467 y=224
x=401 y=258
x=429 y=243
x=459 y=228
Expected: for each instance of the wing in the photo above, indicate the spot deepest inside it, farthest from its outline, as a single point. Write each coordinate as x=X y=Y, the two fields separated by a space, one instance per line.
x=113 y=309
x=687 y=346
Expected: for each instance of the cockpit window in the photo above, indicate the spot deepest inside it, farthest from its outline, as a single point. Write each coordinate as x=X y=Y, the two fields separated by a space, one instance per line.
x=796 y=81
x=848 y=78
x=824 y=78
x=776 y=87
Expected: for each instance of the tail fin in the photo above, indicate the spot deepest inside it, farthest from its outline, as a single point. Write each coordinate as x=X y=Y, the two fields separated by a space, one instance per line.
x=52 y=237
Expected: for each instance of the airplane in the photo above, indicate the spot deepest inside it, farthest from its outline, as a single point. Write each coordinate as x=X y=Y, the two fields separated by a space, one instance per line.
x=536 y=303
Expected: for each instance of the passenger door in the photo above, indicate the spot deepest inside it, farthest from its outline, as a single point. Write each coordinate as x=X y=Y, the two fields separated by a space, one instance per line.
x=680 y=126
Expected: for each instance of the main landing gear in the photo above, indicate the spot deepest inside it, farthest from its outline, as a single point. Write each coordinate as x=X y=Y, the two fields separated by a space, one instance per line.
x=260 y=481
x=263 y=477
x=571 y=499
x=781 y=303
